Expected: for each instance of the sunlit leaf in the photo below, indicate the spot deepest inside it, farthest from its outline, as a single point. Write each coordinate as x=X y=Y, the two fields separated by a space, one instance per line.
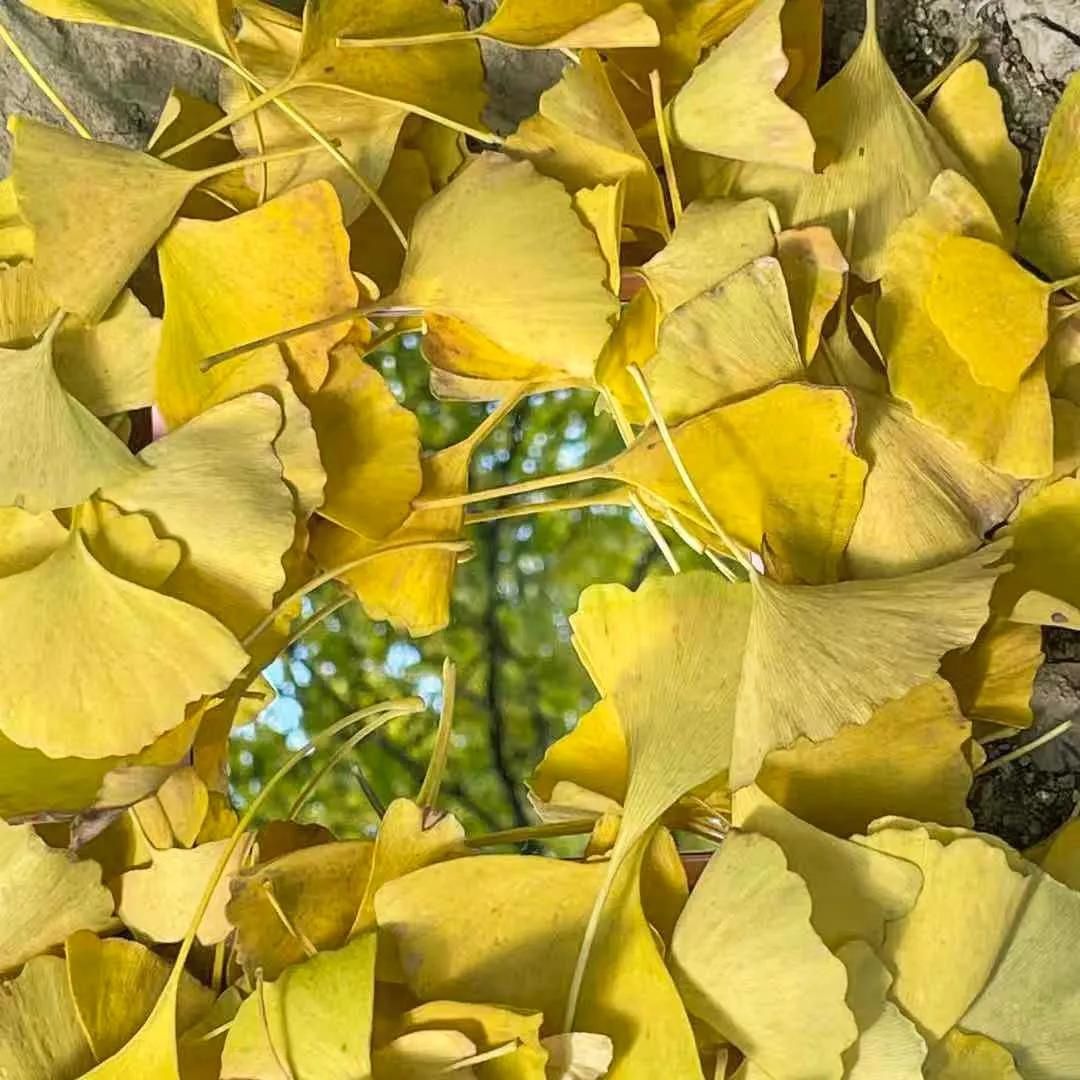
x=960 y=1056
x=814 y=269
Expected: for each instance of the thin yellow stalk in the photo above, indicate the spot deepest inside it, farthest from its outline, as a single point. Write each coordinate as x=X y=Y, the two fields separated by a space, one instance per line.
x=1054 y=733
x=577 y=827
x=605 y=498
x=253 y=104
x=42 y=83
x=433 y=778
x=967 y=51
x=654 y=531
x=523 y=487
x=665 y=147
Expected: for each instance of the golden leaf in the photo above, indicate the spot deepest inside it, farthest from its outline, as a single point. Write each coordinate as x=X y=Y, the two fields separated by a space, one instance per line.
x=587 y=24
x=814 y=269
x=960 y=1056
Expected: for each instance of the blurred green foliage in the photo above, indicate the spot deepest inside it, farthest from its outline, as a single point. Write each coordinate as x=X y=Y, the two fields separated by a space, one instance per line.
x=520 y=685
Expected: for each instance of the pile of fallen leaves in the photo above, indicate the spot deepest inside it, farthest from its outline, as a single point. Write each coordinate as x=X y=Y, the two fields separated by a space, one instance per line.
x=847 y=370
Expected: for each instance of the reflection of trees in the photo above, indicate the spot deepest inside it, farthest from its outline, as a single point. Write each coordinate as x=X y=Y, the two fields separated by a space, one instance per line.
x=519 y=682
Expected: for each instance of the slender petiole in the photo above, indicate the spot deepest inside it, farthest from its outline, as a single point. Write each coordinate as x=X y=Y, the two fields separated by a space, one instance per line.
x=605 y=498
x=967 y=51
x=665 y=147
x=522 y=835
x=283 y=918
x=1054 y=733
x=429 y=789
x=253 y=104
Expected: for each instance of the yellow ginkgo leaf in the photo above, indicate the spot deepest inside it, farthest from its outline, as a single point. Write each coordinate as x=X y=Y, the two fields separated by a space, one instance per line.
x=776 y=466
x=725 y=343
x=415 y=54
x=909 y=758
x=109 y=367
x=316 y=1016
x=16 y=236
x=465 y=930
x=578 y=1056
x=713 y=239
x=115 y=984
x=1029 y=1005
x=1045 y=534
x=230 y=282
x=528 y=275
x=855 y=893
x=53 y=451
x=877 y=153
x=1010 y=430
x=184 y=802
x=224 y=457
x=45 y=896
x=320 y=889
x=406 y=841
x=581 y=136
x=943 y=951
x=200 y=23
x=158 y=903
x=27 y=539
x=370 y=448
x=994 y=679
x=424 y=1055
x=814 y=269
x=729 y=106
x=135 y=199
x=888 y=1044
x=1059 y=854
x=748 y=962
x=113 y=691
x=992 y=312
x=967 y=111
x=586 y=24
x=40 y=1036
x=1049 y=237
x=960 y=1056
x=952 y=501
x=487 y=1027
x=126 y=545
x=366 y=129
x=199 y=1048
x=593 y=755
x=601 y=208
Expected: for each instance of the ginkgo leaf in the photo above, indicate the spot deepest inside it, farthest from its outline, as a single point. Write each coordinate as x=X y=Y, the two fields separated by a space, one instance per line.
x=135 y=199
x=968 y=113
x=424 y=1055
x=27 y=539
x=109 y=367
x=814 y=269
x=442 y=78
x=601 y=208
x=960 y=1056
x=115 y=984
x=1048 y=236
x=184 y=800
x=316 y=1016
x=1010 y=430
x=742 y=74
x=16 y=236
x=25 y=308
x=40 y=1036
x=992 y=312
x=158 y=903
x=713 y=239
x=319 y=888
x=96 y=704
x=529 y=275
x=889 y=1047
x=725 y=343
x=200 y=23
x=581 y=136
x=578 y=1056
x=1029 y=1004
x=909 y=758
x=877 y=153
x=366 y=129
x=232 y=565
x=487 y=1027
x=126 y=545
x=370 y=448
x=45 y=896
x=466 y=929
x=778 y=465
x=994 y=679
x=54 y=451
x=748 y=962
x=945 y=948
x=952 y=501
x=855 y=893
x=587 y=24
x=199 y=1048
x=1045 y=534
x=1059 y=854
x=229 y=282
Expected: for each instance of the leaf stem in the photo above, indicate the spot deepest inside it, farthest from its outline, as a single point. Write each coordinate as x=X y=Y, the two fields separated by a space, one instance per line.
x=253 y=104
x=441 y=38
x=966 y=52
x=525 y=833
x=42 y=83
x=684 y=473
x=429 y=789
x=260 y=159
x=523 y=487
x=1054 y=733
x=653 y=530
x=665 y=147
x=604 y=498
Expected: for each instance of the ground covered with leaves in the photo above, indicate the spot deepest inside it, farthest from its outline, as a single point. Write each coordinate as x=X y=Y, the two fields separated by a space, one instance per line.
x=831 y=349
